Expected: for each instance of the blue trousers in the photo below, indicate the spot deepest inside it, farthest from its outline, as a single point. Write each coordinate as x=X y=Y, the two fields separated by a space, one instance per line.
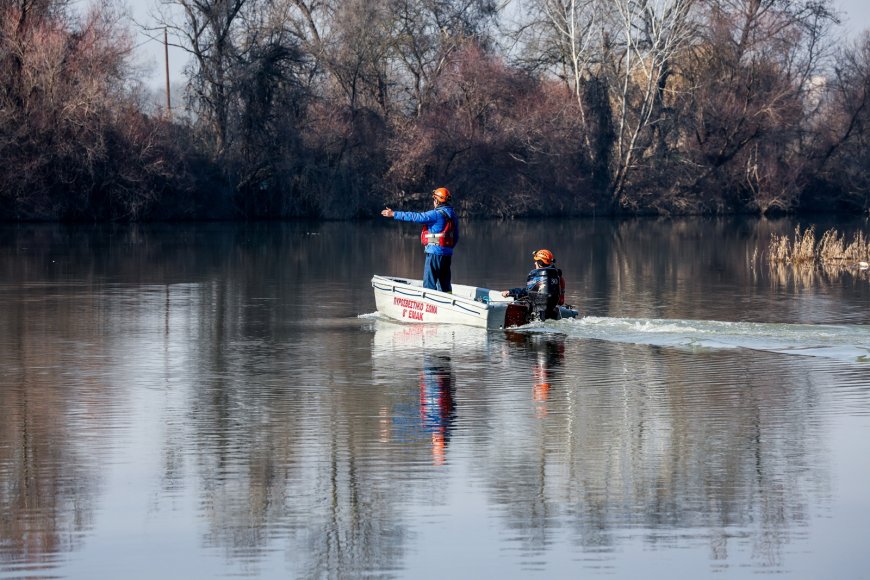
x=436 y=272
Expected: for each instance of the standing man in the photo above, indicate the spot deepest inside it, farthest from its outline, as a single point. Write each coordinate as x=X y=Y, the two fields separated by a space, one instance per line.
x=439 y=236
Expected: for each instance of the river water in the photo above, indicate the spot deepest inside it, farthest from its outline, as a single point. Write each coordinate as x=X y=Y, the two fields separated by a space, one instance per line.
x=213 y=400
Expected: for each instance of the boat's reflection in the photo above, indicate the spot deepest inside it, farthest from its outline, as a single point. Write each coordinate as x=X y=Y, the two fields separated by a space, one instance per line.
x=392 y=338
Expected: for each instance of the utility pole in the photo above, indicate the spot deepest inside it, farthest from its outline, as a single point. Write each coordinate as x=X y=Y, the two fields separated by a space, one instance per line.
x=166 y=54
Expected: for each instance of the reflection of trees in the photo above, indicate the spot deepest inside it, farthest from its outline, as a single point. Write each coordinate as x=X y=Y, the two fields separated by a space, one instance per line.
x=48 y=478
x=285 y=455
x=663 y=441
x=276 y=457
x=521 y=454
x=287 y=429
x=46 y=495
x=219 y=310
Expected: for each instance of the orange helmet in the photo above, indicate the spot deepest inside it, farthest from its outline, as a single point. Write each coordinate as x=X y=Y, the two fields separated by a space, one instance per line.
x=545 y=257
x=441 y=195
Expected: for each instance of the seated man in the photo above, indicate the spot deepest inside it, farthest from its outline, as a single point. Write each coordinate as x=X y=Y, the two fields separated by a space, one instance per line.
x=545 y=288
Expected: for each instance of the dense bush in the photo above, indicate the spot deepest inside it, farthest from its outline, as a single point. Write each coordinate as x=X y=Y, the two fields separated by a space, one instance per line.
x=332 y=109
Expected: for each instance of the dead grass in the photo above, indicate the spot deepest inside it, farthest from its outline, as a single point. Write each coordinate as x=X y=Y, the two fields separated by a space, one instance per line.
x=833 y=249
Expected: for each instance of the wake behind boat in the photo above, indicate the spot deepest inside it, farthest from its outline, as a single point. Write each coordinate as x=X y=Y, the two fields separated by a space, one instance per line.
x=406 y=300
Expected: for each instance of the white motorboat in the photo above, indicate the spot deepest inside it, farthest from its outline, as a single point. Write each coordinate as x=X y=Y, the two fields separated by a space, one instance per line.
x=406 y=300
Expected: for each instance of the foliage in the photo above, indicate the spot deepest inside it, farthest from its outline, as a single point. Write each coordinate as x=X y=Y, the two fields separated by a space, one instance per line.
x=504 y=139
x=74 y=143
x=332 y=108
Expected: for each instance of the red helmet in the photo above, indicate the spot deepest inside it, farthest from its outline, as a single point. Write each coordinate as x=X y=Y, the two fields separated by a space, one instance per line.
x=441 y=195
x=545 y=257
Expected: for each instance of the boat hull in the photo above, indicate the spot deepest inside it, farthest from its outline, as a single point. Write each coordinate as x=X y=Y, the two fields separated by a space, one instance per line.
x=407 y=301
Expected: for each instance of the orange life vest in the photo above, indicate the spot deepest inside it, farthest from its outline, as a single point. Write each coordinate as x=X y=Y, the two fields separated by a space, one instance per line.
x=444 y=238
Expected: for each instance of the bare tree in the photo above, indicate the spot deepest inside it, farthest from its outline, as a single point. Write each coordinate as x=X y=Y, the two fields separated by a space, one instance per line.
x=752 y=90
x=209 y=31
x=68 y=150
x=649 y=37
x=617 y=57
x=575 y=35
x=844 y=148
x=249 y=82
x=426 y=33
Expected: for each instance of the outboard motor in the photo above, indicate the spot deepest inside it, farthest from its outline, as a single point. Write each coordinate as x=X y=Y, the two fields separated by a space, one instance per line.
x=543 y=288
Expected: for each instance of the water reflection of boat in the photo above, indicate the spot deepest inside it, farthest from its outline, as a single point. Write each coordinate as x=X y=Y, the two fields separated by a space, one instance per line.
x=399 y=346
x=406 y=300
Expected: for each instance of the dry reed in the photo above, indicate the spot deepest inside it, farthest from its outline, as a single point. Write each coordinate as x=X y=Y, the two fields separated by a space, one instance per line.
x=831 y=249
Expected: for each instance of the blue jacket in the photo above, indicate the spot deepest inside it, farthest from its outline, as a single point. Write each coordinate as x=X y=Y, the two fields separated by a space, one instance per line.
x=435 y=220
